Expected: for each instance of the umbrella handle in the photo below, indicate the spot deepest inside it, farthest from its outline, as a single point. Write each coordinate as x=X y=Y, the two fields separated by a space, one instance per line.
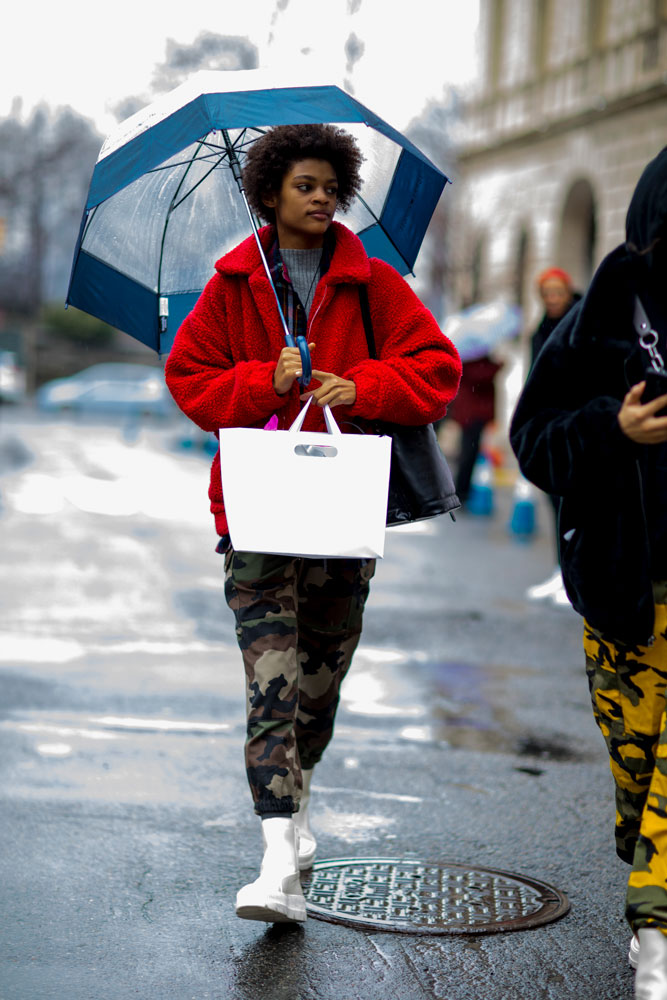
x=306 y=364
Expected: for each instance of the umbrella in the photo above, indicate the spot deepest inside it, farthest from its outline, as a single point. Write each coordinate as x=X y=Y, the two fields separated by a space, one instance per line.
x=477 y=330
x=166 y=200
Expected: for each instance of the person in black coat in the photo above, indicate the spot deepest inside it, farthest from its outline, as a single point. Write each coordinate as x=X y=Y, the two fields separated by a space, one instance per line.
x=556 y=291
x=585 y=430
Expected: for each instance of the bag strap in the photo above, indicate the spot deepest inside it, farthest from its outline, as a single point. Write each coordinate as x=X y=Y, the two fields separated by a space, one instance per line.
x=330 y=420
x=648 y=337
x=368 y=323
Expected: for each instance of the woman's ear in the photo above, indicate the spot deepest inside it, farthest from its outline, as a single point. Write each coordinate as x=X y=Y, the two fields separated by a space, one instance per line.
x=269 y=199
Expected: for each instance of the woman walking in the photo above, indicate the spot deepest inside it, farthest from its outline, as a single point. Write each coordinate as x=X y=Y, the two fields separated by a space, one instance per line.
x=298 y=620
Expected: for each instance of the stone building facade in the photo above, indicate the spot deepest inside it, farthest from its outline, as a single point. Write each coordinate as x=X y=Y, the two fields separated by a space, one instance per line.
x=569 y=105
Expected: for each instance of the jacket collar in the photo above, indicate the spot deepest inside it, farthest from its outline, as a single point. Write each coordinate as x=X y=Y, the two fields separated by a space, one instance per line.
x=349 y=263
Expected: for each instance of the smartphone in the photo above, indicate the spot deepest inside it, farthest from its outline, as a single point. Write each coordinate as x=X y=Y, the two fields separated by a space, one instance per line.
x=656 y=385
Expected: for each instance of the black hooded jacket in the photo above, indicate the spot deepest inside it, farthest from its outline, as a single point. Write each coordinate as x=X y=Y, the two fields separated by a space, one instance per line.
x=566 y=436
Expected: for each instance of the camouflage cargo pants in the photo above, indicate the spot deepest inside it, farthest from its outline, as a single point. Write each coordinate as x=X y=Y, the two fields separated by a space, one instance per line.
x=627 y=686
x=298 y=623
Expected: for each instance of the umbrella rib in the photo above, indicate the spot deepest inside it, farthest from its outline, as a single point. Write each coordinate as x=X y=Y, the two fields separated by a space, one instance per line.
x=215 y=151
x=174 y=204
x=241 y=139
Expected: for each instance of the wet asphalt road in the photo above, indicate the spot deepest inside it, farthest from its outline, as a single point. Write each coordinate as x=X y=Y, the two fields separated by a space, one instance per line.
x=464 y=734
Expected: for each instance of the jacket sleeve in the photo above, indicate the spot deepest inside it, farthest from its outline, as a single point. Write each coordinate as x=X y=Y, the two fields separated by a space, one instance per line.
x=565 y=431
x=417 y=370
x=207 y=383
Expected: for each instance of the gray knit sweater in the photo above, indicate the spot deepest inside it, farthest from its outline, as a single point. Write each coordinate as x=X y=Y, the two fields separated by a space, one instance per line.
x=303 y=268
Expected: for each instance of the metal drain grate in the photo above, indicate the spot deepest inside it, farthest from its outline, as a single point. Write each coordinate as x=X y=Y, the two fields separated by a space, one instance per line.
x=424 y=897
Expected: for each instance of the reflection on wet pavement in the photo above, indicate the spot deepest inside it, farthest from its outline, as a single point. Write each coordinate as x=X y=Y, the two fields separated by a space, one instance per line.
x=458 y=704
x=113 y=758
x=353 y=828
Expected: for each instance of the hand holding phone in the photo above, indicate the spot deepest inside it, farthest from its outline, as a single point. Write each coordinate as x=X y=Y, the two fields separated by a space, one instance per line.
x=656 y=385
x=640 y=426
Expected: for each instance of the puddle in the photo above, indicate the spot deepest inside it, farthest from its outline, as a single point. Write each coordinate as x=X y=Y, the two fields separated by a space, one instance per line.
x=457 y=703
x=353 y=828
x=545 y=749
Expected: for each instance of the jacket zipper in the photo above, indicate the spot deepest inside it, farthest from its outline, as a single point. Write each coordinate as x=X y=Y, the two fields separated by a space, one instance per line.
x=651 y=639
x=309 y=325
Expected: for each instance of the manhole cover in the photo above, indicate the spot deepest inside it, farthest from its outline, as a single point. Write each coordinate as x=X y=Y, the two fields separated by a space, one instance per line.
x=424 y=897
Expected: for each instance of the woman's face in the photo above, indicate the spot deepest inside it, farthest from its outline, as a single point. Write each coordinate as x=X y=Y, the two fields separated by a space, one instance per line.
x=305 y=204
x=556 y=296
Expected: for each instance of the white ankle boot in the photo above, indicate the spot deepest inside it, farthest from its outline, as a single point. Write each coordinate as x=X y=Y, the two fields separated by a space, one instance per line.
x=307 y=845
x=651 y=978
x=276 y=896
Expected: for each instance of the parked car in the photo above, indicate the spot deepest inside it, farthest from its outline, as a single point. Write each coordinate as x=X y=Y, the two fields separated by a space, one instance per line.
x=111 y=387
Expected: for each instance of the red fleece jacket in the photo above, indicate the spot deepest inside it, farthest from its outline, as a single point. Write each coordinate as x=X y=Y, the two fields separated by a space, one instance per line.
x=220 y=369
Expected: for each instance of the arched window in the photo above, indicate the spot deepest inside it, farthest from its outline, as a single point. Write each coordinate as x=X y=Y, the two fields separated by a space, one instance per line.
x=598 y=15
x=495 y=41
x=576 y=242
x=542 y=34
x=476 y=271
x=521 y=267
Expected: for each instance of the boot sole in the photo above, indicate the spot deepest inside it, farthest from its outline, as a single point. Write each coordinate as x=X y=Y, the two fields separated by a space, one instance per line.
x=274 y=909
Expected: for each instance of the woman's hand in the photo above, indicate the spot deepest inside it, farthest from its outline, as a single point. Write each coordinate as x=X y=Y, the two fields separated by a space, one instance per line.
x=288 y=369
x=334 y=390
x=638 y=420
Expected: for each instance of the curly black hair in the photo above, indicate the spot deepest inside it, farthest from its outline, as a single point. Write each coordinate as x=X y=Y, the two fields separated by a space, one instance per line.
x=271 y=156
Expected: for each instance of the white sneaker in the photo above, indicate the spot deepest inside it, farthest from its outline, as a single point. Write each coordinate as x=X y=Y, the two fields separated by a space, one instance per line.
x=276 y=896
x=307 y=844
x=540 y=591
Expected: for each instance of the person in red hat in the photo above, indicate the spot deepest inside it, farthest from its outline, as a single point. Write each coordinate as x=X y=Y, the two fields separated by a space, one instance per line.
x=555 y=288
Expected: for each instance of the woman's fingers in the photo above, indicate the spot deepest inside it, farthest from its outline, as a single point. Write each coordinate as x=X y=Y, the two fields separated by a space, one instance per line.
x=655 y=405
x=638 y=421
x=635 y=393
x=334 y=390
x=287 y=369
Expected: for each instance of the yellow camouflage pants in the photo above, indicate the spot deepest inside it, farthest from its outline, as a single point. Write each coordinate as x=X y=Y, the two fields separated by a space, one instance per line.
x=627 y=685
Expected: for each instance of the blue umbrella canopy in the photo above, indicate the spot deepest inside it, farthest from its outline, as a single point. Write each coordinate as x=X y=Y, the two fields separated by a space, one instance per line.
x=163 y=202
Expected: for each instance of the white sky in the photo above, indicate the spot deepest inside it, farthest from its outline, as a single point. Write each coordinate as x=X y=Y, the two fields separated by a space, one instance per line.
x=91 y=56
